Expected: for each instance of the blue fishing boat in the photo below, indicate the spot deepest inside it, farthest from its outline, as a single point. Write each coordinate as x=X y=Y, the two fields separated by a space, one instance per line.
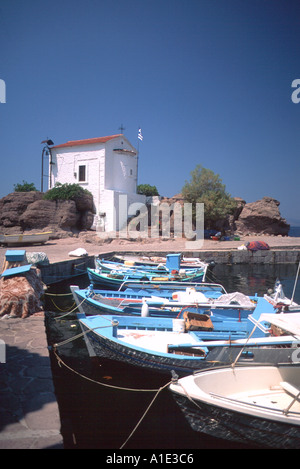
x=173 y=262
x=164 y=345
x=144 y=260
x=130 y=301
x=209 y=299
x=112 y=275
x=115 y=279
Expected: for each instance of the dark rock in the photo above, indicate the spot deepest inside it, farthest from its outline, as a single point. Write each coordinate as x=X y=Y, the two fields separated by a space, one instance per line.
x=240 y=205
x=13 y=205
x=38 y=215
x=28 y=211
x=84 y=202
x=66 y=214
x=262 y=217
x=86 y=220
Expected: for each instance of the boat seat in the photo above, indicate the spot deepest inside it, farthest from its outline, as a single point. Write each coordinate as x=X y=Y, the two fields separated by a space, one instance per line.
x=290 y=389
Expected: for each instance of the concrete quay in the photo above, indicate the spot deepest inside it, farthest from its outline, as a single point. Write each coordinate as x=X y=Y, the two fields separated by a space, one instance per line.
x=57 y=250
x=29 y=414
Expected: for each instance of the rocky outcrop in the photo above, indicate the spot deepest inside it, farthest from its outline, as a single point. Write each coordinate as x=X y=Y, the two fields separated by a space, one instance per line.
x=13 y=206
x=262 y=217
x=28 y=211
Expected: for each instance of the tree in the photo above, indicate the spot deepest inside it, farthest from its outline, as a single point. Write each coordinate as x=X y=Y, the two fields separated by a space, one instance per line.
x=146 y=189
x=25 y=187
x=206 y=187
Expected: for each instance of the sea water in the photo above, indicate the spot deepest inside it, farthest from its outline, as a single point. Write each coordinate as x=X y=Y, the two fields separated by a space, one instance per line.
x=101 y=401
x=294 y=231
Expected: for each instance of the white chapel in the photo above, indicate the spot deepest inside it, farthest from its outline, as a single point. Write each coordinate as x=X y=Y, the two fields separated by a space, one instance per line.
x=105 y=166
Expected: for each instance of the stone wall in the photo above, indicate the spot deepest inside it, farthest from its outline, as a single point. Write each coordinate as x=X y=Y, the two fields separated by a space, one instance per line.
x=276 y=256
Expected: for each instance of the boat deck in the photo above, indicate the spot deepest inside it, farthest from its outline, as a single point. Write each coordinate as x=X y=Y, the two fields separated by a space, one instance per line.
x=154 y=341
x=278 y=397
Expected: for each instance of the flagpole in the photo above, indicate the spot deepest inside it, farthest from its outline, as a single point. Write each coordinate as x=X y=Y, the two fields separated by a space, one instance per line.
x=137 y=163
x=140 y=137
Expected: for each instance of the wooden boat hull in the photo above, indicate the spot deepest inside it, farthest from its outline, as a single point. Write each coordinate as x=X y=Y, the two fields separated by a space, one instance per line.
x=258 y=423
x=23 y=239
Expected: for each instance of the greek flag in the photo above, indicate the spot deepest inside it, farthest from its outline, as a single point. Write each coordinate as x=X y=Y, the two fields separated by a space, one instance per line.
x=140 y=136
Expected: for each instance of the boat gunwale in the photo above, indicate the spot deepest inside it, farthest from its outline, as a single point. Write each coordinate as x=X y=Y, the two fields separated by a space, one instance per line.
x=197 y=394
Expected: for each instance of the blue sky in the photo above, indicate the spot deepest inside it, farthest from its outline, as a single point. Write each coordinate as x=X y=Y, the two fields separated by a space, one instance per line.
x=208 y=81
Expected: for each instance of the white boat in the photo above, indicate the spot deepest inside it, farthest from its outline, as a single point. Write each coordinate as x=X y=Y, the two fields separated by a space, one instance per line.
x=278 y=299
x=257 y=405
x=25 y=238
x=254 y=404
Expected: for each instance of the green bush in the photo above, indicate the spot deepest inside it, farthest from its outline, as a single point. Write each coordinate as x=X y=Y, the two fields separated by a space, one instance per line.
x=146 y=189
x=25 y=187
x=206 y=187
x=65 y=192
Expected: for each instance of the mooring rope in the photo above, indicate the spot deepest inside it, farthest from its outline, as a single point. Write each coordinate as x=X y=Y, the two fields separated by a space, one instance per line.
x=145 y=413
x=57 y=294
x=62 y=310
x=69 y=312
x=119 y=388
x=64 y=342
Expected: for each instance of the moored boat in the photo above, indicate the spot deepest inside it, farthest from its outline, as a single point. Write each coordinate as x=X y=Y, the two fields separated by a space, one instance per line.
x=166 y=344
x=134 y=260
x=115 y=279
x=210 y=300
x=25 y=238
x=255 y=404
x=116 y=302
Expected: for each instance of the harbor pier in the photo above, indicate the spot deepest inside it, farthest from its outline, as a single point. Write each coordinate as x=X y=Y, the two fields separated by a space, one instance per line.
x=29 y=413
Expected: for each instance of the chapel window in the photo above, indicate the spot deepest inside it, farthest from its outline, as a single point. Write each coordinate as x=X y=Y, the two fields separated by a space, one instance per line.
x=82 y=173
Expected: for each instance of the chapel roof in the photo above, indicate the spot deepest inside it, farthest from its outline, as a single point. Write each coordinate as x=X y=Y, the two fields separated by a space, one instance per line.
x=73 y=143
